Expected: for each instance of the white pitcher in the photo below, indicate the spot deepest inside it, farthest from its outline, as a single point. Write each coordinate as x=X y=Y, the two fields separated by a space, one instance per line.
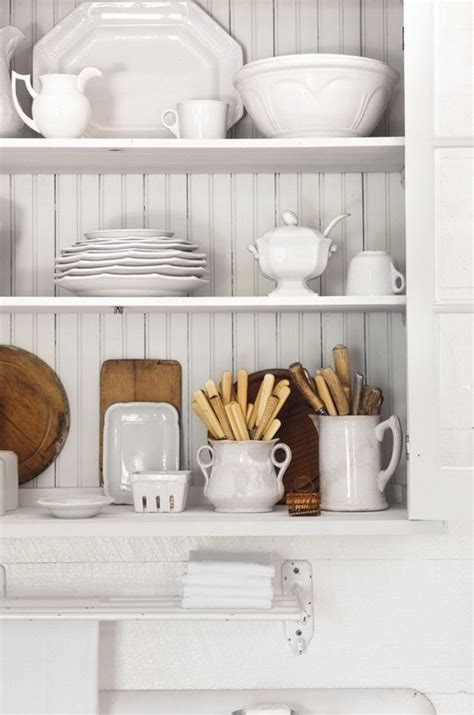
x=60 y=110
x=351 y=477
x=10 y=123
x=240 y=476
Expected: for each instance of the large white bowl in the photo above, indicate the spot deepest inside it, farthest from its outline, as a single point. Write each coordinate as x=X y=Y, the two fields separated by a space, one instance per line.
x=313 y=95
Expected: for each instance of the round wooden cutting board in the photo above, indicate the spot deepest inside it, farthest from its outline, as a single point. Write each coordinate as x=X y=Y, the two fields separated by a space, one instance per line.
x=34 y=411
x=297 y=431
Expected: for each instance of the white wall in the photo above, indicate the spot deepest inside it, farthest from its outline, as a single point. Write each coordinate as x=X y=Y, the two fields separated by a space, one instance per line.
x=390 y=612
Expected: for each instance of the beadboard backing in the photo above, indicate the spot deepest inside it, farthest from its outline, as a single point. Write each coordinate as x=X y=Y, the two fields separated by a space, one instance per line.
x=223 y=213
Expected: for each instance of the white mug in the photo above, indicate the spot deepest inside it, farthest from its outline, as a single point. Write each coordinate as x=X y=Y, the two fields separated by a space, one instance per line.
x=373 y=273
x=198 y=119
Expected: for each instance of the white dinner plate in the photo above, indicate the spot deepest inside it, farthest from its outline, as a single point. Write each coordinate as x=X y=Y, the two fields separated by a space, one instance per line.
x=132 y=253
x=152 y=54
x=67 y=264
x=140 y=246
x=164 y=270
x=134 y=239
x=75 y=507
x=138 y=437
x=104 y=285
x=107 y=233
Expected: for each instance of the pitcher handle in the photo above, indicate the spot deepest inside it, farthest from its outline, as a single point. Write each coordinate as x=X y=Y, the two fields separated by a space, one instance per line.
x=26 y=79
x=398 y=280
x=281 y=466
x=205 y=466
x=393 y=424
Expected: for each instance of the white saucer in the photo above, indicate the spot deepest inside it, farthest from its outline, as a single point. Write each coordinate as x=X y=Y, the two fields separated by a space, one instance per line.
x=75 y=507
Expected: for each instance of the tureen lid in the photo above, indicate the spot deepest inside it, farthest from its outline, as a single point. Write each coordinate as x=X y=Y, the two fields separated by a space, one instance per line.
x=290 y=229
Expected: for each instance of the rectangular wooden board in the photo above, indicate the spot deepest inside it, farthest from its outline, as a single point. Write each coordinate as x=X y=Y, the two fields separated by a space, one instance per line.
x=138 y=381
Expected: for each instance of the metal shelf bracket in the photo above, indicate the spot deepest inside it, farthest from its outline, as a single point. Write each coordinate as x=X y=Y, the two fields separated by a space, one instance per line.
x=297 y=580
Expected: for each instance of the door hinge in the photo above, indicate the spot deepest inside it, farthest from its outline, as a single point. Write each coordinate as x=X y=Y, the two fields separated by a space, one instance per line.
x=407 y=447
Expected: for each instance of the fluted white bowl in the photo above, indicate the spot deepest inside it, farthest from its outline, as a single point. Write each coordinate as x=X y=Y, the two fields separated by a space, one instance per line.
x=312 y=95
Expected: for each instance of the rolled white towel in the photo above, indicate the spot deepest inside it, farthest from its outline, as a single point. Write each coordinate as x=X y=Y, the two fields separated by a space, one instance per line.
x=211 y=591
x=229 y=580
x=215 y=562
x=231 y=602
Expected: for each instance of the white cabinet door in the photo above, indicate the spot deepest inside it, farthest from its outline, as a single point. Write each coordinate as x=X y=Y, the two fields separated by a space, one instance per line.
x=439 y=204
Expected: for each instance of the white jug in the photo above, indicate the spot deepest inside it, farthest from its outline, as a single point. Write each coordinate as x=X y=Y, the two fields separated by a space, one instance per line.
x=351 y=477
x=10 y=123
x=243 y=477
x=60 y=110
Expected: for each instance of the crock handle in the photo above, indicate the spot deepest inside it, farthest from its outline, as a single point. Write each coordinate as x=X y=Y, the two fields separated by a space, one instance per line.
x=205 y=466
x=393 y=423
x=281 y=466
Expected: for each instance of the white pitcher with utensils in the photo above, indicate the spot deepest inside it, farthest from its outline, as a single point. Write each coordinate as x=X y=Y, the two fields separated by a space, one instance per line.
x=351 y=477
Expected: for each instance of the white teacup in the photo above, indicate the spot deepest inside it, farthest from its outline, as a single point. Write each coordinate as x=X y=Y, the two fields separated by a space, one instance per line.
x=197 y=119
x=373 y=273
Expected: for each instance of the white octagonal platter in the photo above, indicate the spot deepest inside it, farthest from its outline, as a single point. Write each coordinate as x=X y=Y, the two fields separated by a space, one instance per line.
x=152 y=54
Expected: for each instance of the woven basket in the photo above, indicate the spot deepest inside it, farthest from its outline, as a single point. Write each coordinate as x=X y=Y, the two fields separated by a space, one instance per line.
x=303 y=503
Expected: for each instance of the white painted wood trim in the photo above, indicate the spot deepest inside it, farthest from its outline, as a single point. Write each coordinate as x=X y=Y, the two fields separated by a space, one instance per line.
x=144 y=156
x=205 y=304
x=123 y=522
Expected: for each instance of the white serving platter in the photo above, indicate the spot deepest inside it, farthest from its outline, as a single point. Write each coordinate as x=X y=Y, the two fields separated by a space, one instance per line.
x=164 y=270
x=80 y=262
x=104 y=285
x=138 y=437
x=108 y=233
x=152 y=54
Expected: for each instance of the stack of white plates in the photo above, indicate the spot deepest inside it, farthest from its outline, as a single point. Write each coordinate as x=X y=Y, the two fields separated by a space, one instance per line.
x=131 y=262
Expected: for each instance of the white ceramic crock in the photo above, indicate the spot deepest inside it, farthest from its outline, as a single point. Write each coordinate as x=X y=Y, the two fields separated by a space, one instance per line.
x=241 y=477
x=373 y=273
x=60 y=110
x=9 y=481
x=291 y=254
x=351 y=477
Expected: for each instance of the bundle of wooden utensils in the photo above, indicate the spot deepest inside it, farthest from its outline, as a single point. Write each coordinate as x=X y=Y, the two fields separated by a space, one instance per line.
x=227 y=414
x=334 y=392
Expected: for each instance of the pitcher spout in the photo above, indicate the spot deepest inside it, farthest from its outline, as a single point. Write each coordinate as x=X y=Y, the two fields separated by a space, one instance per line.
x=10 y=38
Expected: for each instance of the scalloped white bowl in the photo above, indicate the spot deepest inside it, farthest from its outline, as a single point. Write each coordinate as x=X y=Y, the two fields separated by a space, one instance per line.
x=313 y=95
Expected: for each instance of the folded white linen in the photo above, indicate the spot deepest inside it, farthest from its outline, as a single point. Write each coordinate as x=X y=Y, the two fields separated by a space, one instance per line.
x=215 y=562
x=226 y=602
x=211 y=591
x=229 y=580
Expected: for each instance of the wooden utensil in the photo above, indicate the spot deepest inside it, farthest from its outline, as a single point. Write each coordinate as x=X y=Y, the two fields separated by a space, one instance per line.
x=34 y=411
x=242 y=388
x=296 y=430
x=325 y=395
x=264 y=395
x=299 y=379
x=202 y=416
x=211 y=418
x=273 y=428
x=220 y=413
x=226 y=387
x=335 y=388
x=342 y=368
x=138 y=381
x=371 y=401
x=266 y=417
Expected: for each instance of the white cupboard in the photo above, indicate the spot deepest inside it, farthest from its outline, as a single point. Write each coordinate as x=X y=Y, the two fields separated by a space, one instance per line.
x=225 y=197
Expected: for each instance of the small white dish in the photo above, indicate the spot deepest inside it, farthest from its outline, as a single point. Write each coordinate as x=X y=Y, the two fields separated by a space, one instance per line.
x=75 y=507
x=105 y=285
x=107 y=233
x=134 y=253
x=138 y=437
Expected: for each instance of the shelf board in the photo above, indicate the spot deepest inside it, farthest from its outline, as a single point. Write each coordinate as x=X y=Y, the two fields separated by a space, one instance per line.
x=188 y=156
x=226 y=304
x=122 y=522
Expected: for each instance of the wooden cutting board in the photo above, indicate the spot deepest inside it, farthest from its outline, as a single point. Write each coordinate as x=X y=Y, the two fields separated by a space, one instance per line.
x=34 y=411
x=138 y=381
x=297 y=431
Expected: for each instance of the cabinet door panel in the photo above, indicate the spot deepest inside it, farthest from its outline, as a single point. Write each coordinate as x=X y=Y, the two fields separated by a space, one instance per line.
x=439 y=215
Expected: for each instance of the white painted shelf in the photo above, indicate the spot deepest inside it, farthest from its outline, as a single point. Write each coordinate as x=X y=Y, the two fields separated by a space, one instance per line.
x=227 y=304
x=163 y=156
x=123 y=522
